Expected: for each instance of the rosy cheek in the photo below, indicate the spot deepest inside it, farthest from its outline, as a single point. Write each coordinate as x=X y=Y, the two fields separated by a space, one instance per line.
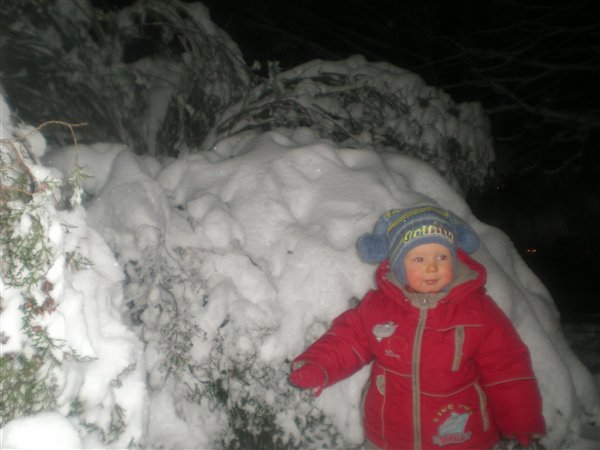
x=413 y=278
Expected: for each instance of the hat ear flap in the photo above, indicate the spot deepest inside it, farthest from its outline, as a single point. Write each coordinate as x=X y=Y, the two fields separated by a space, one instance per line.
x=466 y=238
x=372 y=248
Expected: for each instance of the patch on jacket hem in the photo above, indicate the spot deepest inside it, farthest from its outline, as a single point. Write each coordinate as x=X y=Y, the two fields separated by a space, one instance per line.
x=452 y=431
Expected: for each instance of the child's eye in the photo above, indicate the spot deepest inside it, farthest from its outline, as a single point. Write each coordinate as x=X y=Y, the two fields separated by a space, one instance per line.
x=418 y=259
x=443 y=257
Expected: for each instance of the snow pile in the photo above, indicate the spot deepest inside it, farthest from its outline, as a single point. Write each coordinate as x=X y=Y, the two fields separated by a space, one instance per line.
x=234 y=265
x=68 y=323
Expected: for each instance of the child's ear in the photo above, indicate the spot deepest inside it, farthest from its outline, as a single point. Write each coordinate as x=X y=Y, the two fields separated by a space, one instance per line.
x=372 y=248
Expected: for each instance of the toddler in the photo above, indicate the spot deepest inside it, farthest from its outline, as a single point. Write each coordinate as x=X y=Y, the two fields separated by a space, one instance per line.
x=449 y=369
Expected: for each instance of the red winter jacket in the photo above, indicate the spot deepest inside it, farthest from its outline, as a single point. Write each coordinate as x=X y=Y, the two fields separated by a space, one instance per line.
x=455 y=375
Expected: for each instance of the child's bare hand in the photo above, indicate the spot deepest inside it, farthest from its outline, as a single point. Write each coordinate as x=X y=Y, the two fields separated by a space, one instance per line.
x=309 y=376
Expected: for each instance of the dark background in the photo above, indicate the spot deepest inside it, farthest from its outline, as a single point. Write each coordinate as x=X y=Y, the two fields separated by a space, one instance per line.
x=533 y=65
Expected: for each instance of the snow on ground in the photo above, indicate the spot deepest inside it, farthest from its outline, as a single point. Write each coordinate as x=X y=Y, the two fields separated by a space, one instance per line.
x=45 y=430
x=271 y=220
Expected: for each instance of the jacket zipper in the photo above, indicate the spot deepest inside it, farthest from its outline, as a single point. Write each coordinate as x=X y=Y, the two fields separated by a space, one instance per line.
x=416 y=378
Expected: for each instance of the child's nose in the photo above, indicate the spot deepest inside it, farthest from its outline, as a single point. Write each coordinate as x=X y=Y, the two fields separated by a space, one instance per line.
x=432 y=266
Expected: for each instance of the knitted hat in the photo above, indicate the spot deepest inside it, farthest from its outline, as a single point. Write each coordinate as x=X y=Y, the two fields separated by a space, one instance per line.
x=399 y=230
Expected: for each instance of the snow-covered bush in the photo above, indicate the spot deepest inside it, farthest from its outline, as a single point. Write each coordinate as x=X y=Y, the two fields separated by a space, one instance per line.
x=64 y=348
x=26 y=380
x=360 y=104
x=154 y=75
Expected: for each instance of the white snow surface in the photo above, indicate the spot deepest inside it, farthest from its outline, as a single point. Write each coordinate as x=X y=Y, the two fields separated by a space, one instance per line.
x=274 y=229
x=41 y=431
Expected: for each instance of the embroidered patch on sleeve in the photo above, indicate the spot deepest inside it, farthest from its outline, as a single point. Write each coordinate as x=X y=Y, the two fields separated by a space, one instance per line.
x=384 y=330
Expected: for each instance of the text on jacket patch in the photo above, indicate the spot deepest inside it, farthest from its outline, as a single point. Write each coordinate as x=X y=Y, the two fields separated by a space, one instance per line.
x=452 y=429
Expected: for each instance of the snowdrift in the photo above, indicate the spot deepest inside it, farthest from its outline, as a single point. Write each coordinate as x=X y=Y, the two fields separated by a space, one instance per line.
x=248 y=251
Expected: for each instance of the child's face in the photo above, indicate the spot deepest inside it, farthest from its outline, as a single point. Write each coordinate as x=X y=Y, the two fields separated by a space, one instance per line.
x=428 y=268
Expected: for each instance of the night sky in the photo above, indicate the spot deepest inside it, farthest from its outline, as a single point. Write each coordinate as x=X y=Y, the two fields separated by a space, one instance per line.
x=533 y=65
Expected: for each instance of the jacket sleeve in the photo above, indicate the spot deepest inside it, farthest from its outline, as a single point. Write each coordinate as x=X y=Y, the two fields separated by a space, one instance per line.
x=342 y=350
x=507 y=376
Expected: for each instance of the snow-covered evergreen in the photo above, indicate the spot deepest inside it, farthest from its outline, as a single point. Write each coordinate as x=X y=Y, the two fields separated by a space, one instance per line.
x=65 y=347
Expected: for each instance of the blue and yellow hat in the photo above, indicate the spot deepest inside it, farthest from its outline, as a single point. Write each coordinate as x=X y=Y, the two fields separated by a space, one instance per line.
x=399 y=230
